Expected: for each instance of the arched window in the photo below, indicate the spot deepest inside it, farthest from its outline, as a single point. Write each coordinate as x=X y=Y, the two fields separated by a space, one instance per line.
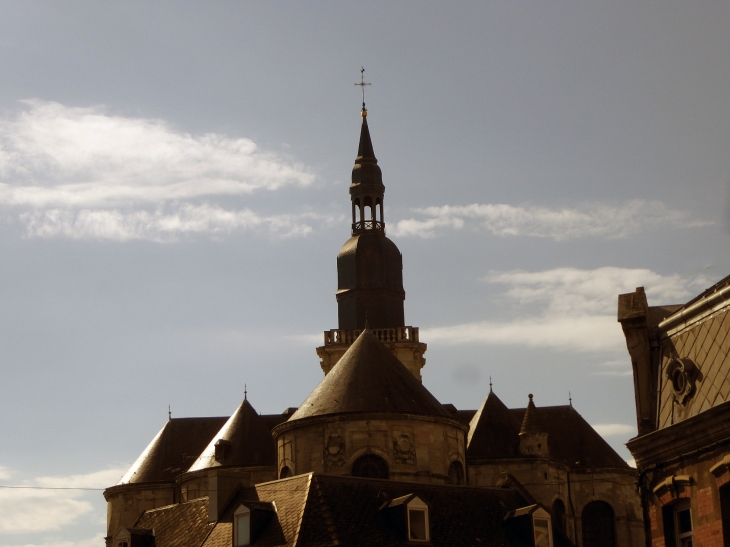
x=558 y=516
x=285 y=472
x=598 y=525
x=456 y=473
x=725 y=512
x=371 y=467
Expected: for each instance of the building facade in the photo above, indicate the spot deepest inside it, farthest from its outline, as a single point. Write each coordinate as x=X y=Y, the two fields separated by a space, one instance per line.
x=679 y=355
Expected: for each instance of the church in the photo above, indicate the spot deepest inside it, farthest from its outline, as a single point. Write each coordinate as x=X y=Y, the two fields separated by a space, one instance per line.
x=371 y=457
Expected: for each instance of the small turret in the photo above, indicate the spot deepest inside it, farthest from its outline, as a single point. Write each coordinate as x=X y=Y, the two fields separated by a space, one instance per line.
x=533 y=437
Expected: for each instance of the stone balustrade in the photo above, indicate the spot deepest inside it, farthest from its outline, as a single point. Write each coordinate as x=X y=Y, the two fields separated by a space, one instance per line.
x=338 y=337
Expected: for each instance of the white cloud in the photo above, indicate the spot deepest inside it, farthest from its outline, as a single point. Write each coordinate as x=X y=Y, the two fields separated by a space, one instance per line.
x=84 y=173
x=95 y=541
x=56 y=155
x=567 y=308
x=163 y=225
x=587 y=220
x=30 y=510
x=615 y=430
x=4 y=473
x=586 y=334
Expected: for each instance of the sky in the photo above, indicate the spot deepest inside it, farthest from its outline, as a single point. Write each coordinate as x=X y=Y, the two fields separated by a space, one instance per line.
x=174 y=191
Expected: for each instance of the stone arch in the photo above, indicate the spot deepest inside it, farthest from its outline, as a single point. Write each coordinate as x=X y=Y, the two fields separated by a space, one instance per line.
x=456 y=473
x=598 y=521
x=558 y=515
x=285 y=472
x=370 y=466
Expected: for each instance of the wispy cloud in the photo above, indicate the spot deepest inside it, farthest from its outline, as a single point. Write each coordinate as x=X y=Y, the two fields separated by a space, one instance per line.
x=83 y=172
x=95 y=541
x=566 y=308
x=615 y=430
x=32 y=510
x=165 y=224
x=587 y=220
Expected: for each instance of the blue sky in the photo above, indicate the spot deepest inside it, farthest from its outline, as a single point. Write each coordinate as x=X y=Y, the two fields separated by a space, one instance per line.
x=173 y=194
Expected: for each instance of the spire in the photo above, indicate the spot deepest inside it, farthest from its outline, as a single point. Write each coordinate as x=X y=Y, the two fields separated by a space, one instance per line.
x=365 y=150
x=532 y=422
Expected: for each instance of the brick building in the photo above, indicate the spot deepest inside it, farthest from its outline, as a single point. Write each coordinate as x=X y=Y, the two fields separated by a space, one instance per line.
x=679 y=355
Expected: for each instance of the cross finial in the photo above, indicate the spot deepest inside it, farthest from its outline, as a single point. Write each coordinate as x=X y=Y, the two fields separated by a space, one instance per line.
x=362 y=85
x=570 y=399
x=245 y=392
x=490 y=383
x=169 y=412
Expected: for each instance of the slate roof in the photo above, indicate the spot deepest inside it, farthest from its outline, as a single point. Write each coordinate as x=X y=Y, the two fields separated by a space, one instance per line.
x=181 y=525
x=493 y=431
x=163 y=457
x=494 y=434
x=532 y=419
x=249 y=435
x=323 y=510
x=369 y=378
x=572 y=441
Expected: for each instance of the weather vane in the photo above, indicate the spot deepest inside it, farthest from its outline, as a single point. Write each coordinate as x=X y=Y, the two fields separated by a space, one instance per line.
x=362 y=85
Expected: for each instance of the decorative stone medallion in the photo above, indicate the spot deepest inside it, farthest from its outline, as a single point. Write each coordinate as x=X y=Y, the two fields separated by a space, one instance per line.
x=681 y=374
x=334 y=449
x=404 y=450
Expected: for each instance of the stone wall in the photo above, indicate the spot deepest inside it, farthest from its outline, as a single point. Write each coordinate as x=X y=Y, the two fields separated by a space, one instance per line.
x=547 y=482
x=127 y=502
x=417 y=448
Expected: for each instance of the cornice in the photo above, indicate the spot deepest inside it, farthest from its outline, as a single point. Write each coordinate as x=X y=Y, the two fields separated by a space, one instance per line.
x=706 y=429
x=365 y=416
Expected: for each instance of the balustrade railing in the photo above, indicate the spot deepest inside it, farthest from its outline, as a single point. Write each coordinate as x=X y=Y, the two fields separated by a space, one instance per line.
x=338 y=337
x=367 y=225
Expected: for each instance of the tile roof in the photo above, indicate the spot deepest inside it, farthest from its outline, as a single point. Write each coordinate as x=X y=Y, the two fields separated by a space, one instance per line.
x=369 y=378
x=346 y=511
x=181 y=525
x=163 y=457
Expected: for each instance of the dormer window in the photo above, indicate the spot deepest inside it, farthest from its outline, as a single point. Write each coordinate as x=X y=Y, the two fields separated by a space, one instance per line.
x=417 y=520
x=242 y=526
x=541 y=528
x=222 y=447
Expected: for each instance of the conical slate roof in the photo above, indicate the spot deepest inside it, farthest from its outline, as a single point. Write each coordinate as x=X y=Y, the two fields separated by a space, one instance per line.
x=532 y=422
x=366 y=171
x=247 y=439
x=369 y=378
x=493 y=431
x=167 y=454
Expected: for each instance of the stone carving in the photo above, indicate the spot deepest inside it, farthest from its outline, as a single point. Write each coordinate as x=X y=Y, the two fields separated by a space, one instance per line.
x=334 y=449
x=682 y=374
x=404 y=449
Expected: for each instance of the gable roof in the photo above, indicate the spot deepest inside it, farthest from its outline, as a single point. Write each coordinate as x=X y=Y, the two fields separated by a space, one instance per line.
x=572 y=441
x=493 y=431
x=163 y=458
x=494 y=434
x=369 y=378
x=182 y=525
x=249 y=435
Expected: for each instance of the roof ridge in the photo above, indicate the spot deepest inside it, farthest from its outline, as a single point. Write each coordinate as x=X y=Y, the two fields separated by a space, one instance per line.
x=295 y=539
x=326 y=513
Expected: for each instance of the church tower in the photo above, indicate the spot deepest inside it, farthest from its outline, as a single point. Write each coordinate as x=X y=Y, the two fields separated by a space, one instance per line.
x=370 y=273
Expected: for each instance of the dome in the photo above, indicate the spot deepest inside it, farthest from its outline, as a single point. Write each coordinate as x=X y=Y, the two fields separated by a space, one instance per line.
x=370 y=282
